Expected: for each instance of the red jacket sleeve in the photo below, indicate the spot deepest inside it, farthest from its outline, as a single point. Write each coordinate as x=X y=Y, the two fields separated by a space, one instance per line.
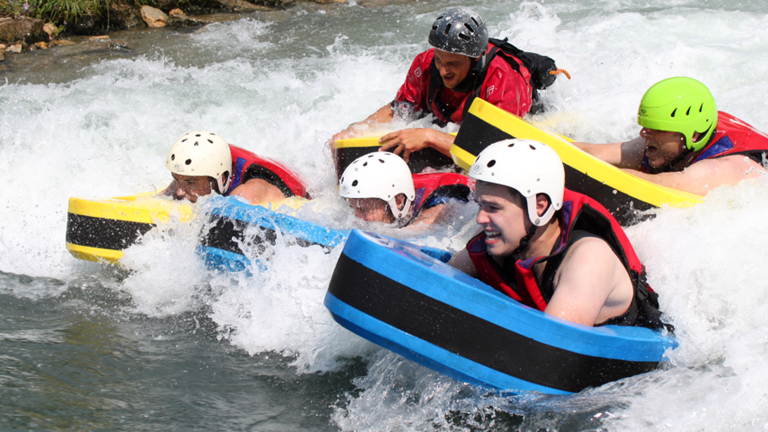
x=506 y=88
x=414 y=89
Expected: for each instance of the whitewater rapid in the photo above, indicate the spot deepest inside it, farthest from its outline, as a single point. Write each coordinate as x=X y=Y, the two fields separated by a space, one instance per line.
x=282 y=83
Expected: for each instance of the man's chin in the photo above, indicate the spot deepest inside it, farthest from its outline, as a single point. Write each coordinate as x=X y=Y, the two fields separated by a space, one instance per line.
x=657 y=163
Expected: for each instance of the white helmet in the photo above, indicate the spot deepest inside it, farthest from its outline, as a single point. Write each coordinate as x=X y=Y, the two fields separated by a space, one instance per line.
x=201 y=153
x=526 y=166
x=380 y=175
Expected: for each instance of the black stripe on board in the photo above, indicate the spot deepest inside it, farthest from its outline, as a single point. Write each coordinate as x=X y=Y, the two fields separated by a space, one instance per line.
x=476 y=134
x=471 y=337
x=104 y=233
x=228 y=234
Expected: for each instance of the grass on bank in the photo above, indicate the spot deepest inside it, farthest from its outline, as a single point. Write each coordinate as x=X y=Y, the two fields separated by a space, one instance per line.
x=61 y=12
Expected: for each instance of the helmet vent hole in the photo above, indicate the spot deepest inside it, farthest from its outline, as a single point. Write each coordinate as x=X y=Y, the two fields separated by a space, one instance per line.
x=465 y=37
x=673 y=112
x=354 y=183
x=688 y=112
x=491 y=163
x=511 y=145
x=532 y=147
x=471 y=30
x=197 y=135
x=184 y=140
x=188 y=162
x=210 y=141
x=701 y=108
x=365 y=163
x=381 y=160
x=173 y=157
x=475 y=21
x=447 y=29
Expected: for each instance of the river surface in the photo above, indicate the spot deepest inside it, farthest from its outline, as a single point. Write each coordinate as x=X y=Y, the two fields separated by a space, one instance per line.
x=165 y=344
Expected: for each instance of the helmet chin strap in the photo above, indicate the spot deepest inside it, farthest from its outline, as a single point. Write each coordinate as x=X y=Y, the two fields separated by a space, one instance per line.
x=400 y=215
x=531 y=232
x=524 y=241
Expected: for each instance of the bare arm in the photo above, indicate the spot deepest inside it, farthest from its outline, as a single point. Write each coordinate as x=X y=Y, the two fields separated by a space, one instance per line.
x=382 y=115
x=623 y=155
x=461 y=261
x=258 y=191
x=591 y=285
x=706 y=175
x=407 y=141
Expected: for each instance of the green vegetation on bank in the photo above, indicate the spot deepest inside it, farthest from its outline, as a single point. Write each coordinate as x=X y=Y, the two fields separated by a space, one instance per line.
x=60 y=12
x=97 y=16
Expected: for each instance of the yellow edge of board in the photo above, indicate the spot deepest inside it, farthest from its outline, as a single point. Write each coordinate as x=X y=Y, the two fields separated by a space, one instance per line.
x=141 y=209
x=94 y=254
x=144 y=208
x=362 y=142
x=462 y=158
x=608 y=174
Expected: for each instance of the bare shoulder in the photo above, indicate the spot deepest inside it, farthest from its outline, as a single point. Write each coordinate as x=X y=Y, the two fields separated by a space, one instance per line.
x=703 y=176
x=590 y=262
x=591 y=284
x=258 y=191
x=463 y=262
x=739 y=165
x=588 y=252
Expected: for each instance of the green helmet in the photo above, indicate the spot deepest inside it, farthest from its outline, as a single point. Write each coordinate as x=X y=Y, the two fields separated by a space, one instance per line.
x=682 y=105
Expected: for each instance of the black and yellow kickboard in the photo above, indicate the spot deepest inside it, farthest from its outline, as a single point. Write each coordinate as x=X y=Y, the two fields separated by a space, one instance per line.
x=348 y=149
x=100 y=229
x=623 y=194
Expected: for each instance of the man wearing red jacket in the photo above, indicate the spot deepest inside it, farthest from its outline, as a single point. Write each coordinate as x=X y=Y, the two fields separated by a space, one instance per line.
x=442 y=81
x=201 y=162
x=685 y=142
x=549 y=248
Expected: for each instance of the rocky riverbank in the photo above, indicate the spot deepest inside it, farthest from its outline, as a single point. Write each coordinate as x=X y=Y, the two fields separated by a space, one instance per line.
x=23 y=33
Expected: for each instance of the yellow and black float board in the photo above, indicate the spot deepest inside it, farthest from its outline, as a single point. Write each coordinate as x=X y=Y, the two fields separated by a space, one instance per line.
x=349 y=149
x=99 y=229
x=623 y=194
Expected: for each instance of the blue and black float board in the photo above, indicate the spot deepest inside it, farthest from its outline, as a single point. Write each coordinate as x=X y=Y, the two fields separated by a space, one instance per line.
x=232 y=223
x=392 y=293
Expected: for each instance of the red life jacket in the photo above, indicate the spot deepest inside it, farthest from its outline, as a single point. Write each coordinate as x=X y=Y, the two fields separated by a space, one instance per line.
x=445 y=113
x=585 y=215
x=437 y=188
x=247 y=166
x=498 y=82
x=733 y=137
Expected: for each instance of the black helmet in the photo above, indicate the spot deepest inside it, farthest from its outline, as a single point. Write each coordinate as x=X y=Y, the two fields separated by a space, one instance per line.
x=459 y=31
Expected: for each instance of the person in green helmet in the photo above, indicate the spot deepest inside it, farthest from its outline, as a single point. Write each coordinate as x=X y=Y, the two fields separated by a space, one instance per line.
x=685 y=142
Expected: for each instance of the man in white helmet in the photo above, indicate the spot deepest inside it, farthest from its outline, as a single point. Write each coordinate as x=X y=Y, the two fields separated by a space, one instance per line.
x=462 y=64
x=202 y=162
x=552 y=249
x=381 y=188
